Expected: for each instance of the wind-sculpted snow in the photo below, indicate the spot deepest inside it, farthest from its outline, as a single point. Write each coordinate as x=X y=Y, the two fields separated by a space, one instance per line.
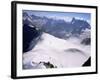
x=56 y=52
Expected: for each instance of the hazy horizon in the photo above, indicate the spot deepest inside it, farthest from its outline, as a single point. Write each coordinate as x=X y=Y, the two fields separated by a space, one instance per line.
x=67 y=16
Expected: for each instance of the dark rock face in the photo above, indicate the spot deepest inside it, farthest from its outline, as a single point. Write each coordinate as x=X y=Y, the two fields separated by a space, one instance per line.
x=86 y=41
x=87 y=63
x=29 y=34
x=49 y=65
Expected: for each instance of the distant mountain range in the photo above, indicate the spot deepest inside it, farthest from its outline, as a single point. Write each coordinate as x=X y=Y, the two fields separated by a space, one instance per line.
x=58 y=28
x=35 y=25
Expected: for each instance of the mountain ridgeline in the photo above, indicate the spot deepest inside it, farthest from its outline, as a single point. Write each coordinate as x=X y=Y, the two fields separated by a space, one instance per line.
x=33 y=26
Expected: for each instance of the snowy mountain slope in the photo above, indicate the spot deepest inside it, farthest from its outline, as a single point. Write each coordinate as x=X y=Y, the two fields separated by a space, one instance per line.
x=59 y=52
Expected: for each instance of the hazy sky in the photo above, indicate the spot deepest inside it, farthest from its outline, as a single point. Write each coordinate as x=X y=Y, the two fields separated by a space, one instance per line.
x=67 y=16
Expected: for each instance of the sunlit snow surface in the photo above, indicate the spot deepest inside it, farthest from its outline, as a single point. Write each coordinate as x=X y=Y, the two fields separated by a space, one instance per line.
x=59 y=52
